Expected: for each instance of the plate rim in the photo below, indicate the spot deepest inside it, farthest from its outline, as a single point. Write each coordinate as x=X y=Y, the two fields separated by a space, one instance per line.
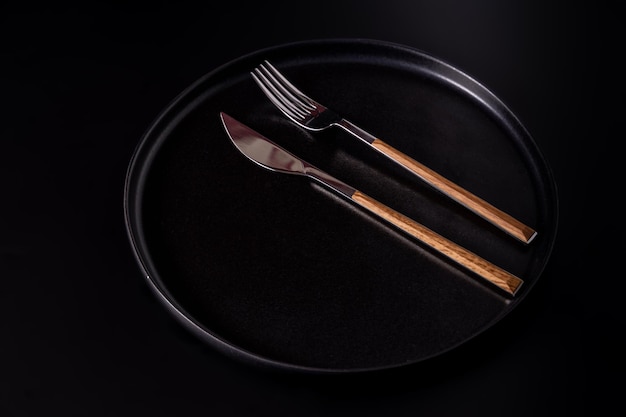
x=145 y=150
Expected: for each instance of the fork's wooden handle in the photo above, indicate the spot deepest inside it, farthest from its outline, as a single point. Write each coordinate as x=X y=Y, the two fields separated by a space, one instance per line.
x=477 y=205
x=494 y=274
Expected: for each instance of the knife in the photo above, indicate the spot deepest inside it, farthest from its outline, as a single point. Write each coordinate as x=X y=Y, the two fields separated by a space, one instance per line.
x=269 y=155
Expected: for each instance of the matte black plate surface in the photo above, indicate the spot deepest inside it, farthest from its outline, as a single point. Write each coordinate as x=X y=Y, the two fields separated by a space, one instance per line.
x=276 y=270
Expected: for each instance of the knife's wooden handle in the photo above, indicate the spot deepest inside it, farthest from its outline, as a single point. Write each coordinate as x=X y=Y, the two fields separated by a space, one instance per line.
x=496 y=275
x=502 y=220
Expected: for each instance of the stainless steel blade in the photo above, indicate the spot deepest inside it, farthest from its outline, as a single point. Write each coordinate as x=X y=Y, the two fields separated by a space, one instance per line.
x=269 y=155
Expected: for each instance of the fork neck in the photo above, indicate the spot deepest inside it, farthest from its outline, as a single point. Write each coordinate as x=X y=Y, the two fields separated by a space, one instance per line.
x=356 y=131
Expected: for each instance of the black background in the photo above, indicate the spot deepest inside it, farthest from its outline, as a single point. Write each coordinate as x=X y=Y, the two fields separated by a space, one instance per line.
x=83 y=336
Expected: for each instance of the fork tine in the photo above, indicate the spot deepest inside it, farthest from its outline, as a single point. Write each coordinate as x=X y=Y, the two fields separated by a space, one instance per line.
x=287 y=87
x=276 y=98
x=287 y=90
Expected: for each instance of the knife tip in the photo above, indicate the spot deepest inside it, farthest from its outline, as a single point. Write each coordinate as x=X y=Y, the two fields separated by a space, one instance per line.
x=225 y=118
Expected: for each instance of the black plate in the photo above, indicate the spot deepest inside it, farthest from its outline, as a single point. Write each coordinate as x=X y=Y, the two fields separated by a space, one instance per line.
x=276 y=270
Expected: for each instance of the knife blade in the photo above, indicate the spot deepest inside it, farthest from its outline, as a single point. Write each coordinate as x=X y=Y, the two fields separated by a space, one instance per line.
x=269 y=155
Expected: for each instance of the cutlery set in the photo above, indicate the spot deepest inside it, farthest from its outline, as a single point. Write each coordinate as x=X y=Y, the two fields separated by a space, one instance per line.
x=313 y=116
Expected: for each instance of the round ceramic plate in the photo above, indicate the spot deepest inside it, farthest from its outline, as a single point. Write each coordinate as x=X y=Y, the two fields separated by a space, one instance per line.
x=278 y=271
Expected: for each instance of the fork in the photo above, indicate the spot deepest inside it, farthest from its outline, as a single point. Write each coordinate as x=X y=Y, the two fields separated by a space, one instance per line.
x=311 y=115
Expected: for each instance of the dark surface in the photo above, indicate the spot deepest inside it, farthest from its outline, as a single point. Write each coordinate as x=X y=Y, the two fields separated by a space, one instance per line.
x=83 y=334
